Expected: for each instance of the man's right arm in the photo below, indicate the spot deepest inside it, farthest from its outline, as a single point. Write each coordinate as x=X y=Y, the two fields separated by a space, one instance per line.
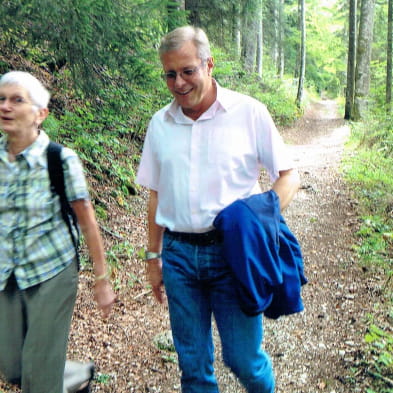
x=154 y=266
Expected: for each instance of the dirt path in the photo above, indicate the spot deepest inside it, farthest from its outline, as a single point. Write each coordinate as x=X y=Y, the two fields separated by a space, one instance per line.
x=312 y=351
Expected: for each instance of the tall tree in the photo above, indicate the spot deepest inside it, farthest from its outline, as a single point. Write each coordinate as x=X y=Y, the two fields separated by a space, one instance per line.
x=236 y=29
x=351 y=62
x=302 y=24
x=280 y=39
x=192 y=6
x=389 y=57
x=363 y=58
x=259 y=67
x=249 y=35
x=276 y=31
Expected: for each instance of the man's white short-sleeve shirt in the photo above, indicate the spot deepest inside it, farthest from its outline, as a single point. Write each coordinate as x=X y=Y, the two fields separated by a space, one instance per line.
x=199 y=167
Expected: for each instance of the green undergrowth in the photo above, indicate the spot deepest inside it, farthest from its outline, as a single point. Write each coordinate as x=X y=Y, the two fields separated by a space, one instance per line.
x=368 y=167
x=107 y=137
x=278 y=94
x=380 y=360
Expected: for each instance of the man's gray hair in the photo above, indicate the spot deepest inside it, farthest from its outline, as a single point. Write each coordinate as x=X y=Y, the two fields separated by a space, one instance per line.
x=39 y=95
x=175 y=39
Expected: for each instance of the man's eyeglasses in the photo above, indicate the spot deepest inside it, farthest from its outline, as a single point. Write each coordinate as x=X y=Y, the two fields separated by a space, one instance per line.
x=186 y=74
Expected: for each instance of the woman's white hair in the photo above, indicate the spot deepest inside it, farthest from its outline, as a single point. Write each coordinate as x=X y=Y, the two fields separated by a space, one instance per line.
x=39 y=95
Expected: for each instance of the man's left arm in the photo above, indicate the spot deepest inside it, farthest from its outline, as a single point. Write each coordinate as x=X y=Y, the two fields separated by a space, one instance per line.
x=286 y=186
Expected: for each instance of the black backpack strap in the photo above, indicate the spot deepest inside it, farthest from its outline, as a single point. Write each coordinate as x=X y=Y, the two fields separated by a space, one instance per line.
x=57 y=184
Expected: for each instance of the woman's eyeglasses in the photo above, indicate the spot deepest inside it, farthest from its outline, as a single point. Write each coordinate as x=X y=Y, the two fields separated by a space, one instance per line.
x=14 y=101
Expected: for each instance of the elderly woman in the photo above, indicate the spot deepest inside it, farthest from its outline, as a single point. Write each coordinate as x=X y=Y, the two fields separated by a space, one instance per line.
x=38 y=264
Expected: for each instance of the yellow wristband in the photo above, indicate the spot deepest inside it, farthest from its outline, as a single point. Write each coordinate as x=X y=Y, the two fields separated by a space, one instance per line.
x=104 y=276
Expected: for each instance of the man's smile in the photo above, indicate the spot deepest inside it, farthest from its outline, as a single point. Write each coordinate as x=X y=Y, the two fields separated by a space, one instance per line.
x=184 y=93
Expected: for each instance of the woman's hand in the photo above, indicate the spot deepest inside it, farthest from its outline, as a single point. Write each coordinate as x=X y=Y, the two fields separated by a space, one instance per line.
x=104 y=296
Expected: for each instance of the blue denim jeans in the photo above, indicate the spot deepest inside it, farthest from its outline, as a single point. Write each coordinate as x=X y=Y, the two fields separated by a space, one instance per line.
x=199 y=284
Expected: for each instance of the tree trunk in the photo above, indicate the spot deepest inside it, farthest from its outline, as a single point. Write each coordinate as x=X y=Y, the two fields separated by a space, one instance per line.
x=249 y=35
x=363 y=59
x=177 y=4
x=351 y=62
x=259 y=67
x=389 y=58
x=280 y=49
x=236 y=30
x=192 y=7
x=302 y=17
x=276 y=30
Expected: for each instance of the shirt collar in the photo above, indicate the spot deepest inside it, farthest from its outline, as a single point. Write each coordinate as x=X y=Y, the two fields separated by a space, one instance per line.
x=174 y=110
x=32 y=153
x=3 y=148
x=222 y=98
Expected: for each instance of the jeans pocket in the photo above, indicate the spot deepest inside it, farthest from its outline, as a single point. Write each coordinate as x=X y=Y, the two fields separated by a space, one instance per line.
x=168 y=242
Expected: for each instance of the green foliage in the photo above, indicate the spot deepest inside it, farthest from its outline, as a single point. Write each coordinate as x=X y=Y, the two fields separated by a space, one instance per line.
x=368 y=167
x=102 y=378
x=98 y=144
x=380 y=32
x=376 y=240
x=326 y=50
x=276 y=94
x=380 y=355
x=102 y=42
x=120 y=250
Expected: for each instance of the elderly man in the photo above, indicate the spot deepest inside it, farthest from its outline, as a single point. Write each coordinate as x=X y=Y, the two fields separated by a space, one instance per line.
x=202 y=152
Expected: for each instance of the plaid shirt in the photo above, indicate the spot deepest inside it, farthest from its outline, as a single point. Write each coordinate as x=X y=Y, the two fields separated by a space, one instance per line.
x=35 y=242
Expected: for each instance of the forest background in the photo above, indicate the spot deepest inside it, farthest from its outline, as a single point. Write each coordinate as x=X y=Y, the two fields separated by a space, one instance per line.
x=98 y=58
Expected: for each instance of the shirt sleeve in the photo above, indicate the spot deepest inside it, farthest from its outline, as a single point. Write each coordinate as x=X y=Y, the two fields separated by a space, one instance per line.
x=74 y=176
x=148 y=170
x=274 y=153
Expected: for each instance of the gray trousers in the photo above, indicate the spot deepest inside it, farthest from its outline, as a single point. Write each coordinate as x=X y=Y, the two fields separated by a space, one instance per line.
x=34 y=328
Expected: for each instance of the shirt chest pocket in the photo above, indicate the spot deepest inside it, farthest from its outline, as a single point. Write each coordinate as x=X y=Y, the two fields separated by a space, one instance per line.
x=230 y=147
x=34 y=198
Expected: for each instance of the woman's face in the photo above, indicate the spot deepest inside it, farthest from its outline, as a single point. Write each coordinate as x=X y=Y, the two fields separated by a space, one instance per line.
x=17 y=112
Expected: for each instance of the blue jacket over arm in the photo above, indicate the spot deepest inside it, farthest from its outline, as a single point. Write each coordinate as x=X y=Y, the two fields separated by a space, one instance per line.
x=263 y=254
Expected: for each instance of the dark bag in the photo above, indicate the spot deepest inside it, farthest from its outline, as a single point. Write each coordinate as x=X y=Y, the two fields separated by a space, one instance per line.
x=56 y=176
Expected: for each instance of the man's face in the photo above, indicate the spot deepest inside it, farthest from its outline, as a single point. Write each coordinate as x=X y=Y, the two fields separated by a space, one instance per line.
x=190 y=82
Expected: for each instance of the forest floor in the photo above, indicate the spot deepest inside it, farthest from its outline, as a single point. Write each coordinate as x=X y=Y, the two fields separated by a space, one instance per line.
x=313 y=351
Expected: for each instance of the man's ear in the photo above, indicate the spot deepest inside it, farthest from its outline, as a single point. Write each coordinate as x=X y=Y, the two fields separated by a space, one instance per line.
x=210 y=65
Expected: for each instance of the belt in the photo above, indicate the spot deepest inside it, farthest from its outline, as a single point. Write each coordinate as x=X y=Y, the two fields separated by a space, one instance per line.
x=197 y=239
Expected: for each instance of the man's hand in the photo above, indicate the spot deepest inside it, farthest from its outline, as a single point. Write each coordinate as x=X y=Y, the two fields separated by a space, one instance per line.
x=154 y=276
